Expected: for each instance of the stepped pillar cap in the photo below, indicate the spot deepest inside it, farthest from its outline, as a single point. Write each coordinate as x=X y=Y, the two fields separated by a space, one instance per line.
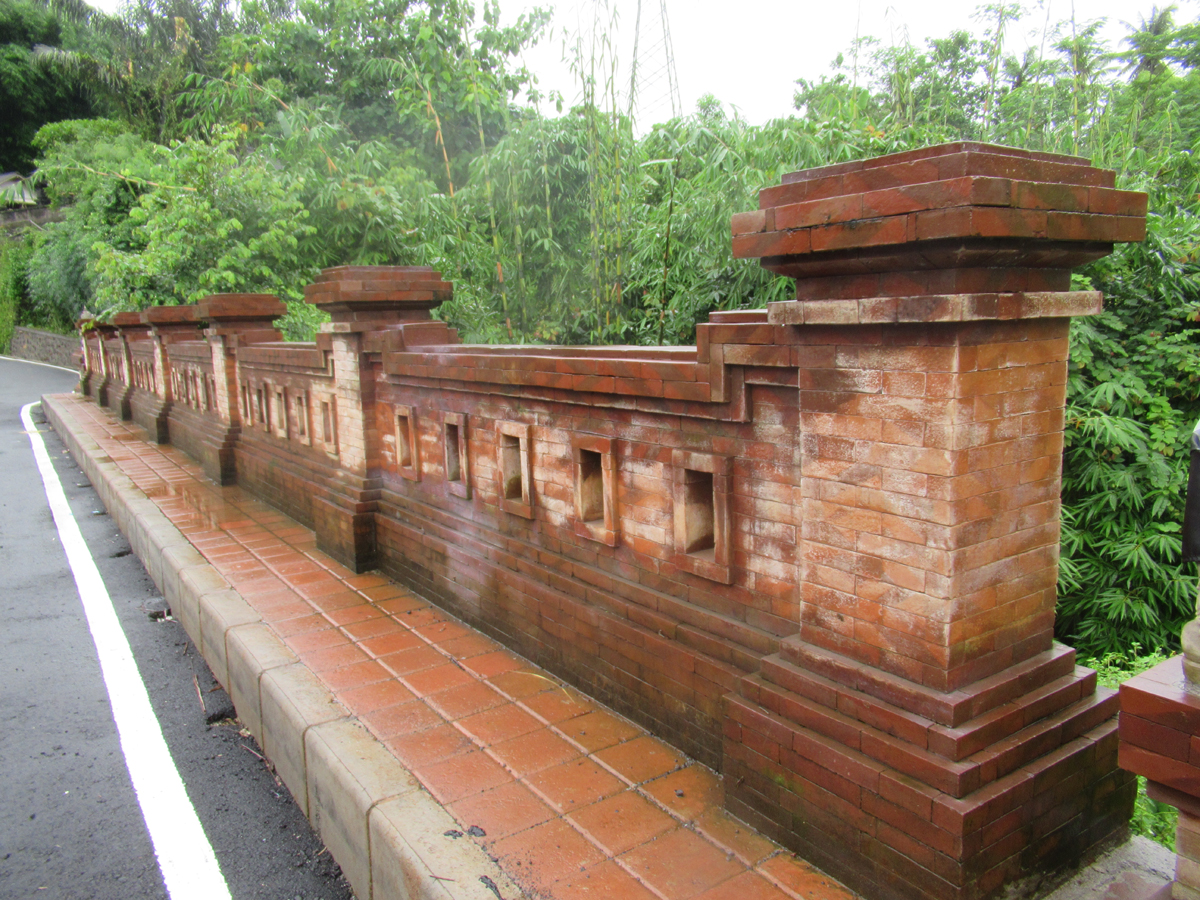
x=131 y=325
x=173 y=323
x=1001 y=219
x=360 y=298
x=240 y=307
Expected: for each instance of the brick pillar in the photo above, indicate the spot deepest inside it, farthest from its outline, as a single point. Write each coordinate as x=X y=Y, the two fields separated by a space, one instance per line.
x=234 y=320
x=88 y=369
x=363 y=302
x=167 y=324
x=130 y=327
x=922 y=735
x=99 y=388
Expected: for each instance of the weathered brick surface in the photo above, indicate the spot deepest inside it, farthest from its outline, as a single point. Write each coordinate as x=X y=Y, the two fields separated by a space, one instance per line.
x=817 y=550
x=1160 y=721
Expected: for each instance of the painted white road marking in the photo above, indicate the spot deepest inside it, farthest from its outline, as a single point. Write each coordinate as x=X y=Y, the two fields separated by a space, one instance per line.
x=34 y=362
x=189 y=866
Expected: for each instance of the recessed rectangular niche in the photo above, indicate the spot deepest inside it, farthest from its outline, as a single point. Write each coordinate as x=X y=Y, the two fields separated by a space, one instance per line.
x=303 y=426
x=702 y=483
x=263 y=419
x=325 y=429
x=458 y=463
x=406 y=444
x=595 y=488
x=280 y=417
x=247 y=409
x=699 y=537
x=514 y=469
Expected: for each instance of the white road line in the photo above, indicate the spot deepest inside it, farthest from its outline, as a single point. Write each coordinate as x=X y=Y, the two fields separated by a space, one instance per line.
x=189 y=866
x=34 y=362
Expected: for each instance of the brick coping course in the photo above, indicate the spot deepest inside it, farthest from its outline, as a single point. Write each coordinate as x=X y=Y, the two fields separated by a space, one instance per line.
x=432 y=761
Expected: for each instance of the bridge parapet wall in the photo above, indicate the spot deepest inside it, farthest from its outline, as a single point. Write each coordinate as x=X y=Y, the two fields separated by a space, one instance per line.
x=817 y=550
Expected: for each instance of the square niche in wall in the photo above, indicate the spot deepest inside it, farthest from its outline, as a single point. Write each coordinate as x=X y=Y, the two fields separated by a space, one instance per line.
x=303 y=417
x=700 y=489
x=458 y=462
x=514 y=468
x=407 y=457
x=324 y=430
x=279 y=414
x=595 y=488
x=262 y=406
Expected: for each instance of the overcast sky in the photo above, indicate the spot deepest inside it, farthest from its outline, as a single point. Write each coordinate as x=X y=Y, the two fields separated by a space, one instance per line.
x=749 y=53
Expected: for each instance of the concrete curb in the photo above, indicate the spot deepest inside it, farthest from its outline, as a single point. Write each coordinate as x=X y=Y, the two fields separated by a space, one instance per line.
x=385 y=830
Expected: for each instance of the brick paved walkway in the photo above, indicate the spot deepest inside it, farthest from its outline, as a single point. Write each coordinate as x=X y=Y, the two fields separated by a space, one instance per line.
x=573 y=800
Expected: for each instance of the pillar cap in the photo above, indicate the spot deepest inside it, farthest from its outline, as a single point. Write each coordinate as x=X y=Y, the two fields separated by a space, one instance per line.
x=232 y=308
x=130 y=324
x=170 y=315
x=997 y=218
x=376 y=296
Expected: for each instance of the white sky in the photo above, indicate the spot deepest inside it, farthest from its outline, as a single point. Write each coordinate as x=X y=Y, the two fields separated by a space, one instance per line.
x=748 y=53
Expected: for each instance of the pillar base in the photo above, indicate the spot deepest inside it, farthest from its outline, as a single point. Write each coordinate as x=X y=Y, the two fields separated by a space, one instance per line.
x=119 y=400
x=97 y=389
x=345 y=527
x=152 y=413
x=209 y=443
x=1013 y=774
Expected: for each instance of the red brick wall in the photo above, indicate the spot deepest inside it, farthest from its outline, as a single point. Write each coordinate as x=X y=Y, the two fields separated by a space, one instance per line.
x=818 y=550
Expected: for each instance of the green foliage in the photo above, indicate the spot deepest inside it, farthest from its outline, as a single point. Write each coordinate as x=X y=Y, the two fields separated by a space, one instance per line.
x=29 y=95
x=94 y=172
x=1117 y=666
x=211 y=222
x=1153 y=819
x=14 y=260
x=148 y=225
x=411 y=75
x=1133 y=398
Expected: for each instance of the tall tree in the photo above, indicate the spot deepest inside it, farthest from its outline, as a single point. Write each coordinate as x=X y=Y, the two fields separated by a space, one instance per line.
x=29 y=95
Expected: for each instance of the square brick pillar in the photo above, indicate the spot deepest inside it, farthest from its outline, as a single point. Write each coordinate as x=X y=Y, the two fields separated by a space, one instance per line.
x=167 y=325
x=232 y=321
x=922 y=735
x=130 y=327
x=364 y=304
x=89 y=366
x=96 y=339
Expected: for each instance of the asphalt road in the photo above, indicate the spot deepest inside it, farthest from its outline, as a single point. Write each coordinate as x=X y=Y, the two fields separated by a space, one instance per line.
x=70 y=824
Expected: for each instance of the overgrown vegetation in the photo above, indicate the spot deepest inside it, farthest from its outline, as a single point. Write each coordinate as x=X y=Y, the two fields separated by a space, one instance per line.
x=245 y=147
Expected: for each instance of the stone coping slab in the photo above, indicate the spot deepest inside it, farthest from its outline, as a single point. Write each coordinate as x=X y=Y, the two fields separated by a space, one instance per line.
x=433 y=762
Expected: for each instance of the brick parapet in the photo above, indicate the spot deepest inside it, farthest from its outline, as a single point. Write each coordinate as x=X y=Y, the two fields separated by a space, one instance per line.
x=817 y=550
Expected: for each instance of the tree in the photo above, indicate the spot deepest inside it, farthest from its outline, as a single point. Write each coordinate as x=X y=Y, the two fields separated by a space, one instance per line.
x=414 y=74
x=30 y=96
